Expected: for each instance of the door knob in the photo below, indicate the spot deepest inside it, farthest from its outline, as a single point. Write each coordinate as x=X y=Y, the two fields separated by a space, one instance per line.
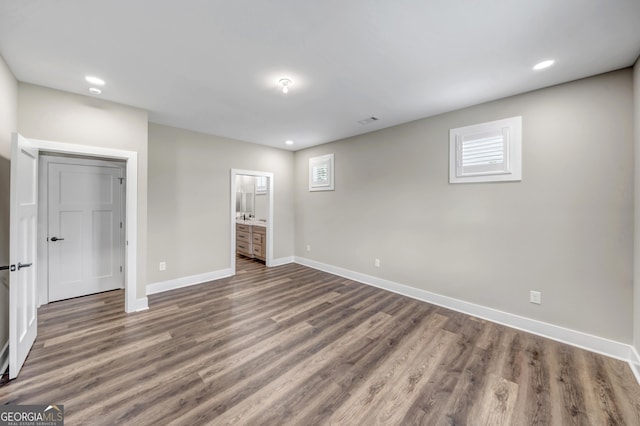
x=23 y=265
x=54 y=239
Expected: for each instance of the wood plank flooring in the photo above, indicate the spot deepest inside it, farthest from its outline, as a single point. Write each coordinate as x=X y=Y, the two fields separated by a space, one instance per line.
x=291 y=345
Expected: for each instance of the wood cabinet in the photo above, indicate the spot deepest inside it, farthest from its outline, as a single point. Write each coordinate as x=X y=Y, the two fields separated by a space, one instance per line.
x=259 y=242
x=251 y=241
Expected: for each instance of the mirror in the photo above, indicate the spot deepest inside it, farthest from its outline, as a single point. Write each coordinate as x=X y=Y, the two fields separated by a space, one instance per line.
x=251 y=197
x=246 y=203
x=245 y=196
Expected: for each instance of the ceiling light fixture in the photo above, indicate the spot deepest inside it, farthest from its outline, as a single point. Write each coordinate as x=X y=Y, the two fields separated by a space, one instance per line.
x=95 y=90
x=285 y=83
x=544 y=64
x=94 y=80
x=289 y=142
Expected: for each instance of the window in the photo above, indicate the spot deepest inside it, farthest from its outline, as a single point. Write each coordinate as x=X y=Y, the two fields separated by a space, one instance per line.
x=261 y=184
x=321 y=173
x=487 y=152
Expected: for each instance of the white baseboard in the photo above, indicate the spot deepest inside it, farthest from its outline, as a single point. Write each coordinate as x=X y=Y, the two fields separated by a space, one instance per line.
x=137 y=305
x=161 y=286
x=142 y=304
x=282 y=261
x=635 y=364
x=582 y=340
x=4 y=358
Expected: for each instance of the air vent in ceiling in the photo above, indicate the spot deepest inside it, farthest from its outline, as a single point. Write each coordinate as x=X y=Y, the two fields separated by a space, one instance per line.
x=368 y=120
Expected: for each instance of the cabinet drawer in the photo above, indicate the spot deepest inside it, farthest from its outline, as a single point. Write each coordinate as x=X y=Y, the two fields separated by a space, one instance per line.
x=258 y=239
x=259 y=230
x=258 y=251
x=243 y=228
x=243 y=236
x=244 y=248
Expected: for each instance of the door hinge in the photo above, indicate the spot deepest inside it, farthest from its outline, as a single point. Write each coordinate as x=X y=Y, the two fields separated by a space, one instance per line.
x=121 y=269
x=120 y=225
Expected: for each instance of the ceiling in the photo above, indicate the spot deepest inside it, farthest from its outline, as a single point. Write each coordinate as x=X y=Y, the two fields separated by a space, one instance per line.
x=213 y=66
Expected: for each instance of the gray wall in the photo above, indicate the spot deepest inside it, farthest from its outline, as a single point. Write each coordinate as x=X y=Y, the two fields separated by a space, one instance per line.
x=8 y=124
x=8 y=108
x=565 y=230
x=189 y=196
x=636 y=119
x=53 y=115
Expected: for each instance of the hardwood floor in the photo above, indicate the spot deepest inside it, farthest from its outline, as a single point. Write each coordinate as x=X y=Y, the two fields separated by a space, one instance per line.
x=291 y=345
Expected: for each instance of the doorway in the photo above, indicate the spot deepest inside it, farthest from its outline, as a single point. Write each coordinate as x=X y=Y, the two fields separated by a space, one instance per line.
x=130 y=159
x=81 y=226
x=265 y=193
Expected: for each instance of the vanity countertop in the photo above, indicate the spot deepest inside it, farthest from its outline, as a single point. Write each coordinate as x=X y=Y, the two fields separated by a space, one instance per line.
x=252 y=222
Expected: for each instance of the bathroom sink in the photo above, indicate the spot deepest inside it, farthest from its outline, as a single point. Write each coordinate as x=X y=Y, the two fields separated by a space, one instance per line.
x=252 y=222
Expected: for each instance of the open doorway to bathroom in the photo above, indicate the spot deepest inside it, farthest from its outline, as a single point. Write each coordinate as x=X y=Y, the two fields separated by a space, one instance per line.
x=251 y=217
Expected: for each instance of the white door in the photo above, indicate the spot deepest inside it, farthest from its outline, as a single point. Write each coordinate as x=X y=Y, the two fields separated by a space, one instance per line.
x=23 y=312
x=85 y=229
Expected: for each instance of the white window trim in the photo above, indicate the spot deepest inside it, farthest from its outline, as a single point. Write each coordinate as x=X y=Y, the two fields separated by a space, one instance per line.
x=320 y=161
x=513 y=152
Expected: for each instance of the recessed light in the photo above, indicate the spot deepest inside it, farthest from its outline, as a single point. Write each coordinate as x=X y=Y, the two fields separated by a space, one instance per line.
x=289 y=142
x=95 y=91
x=544 y=64
x=94 y=80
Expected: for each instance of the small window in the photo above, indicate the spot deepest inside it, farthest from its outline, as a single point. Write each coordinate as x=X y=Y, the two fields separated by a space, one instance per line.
x=487 y=152
x=321 y=173
x=261 y=184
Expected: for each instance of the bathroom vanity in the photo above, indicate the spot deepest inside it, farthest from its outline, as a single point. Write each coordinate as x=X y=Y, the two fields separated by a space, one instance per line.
x=251 y=239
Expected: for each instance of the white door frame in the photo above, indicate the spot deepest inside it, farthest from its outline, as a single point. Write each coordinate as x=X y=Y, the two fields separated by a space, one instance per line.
x=234 y=174
x=131 y=214
x=44 y=160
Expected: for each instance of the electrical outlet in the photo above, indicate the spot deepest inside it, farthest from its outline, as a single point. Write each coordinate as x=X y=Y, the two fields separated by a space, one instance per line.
x=377 y=263
x=163 y=266
x=308 y=247
x=535 y=297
